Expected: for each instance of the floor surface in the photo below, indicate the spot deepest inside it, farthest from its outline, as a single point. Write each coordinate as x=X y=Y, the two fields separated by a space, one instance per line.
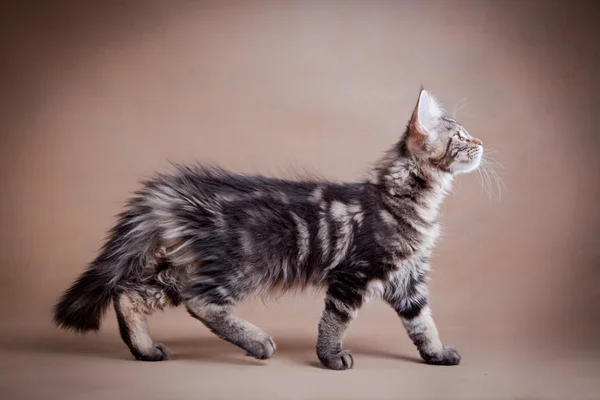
x=39 y=362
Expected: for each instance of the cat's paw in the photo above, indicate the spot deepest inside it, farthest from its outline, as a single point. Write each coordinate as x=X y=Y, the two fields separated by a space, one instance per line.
x=448 y=356
x=158 y=352
x=262 y=349
x=338 y=361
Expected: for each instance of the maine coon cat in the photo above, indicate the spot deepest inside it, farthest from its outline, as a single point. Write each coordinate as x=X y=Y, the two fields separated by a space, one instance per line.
x=209 y=238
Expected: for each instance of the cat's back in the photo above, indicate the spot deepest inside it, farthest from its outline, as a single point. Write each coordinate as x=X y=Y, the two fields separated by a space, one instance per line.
x=200 y=184
x=219 y=182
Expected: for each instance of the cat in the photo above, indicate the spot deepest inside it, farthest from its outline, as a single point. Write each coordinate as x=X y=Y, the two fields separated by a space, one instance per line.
x=210 y=238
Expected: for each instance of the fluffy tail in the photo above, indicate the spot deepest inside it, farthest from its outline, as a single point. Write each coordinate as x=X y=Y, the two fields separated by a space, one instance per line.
x=82 y=306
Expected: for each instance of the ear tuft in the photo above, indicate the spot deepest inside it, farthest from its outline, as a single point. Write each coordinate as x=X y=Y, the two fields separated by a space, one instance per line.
x=427 y=112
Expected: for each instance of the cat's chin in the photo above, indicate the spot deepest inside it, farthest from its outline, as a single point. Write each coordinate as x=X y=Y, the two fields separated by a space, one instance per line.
x=465 y=167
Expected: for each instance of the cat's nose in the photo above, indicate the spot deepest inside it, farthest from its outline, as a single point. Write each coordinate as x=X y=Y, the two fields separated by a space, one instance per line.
x=477 y=141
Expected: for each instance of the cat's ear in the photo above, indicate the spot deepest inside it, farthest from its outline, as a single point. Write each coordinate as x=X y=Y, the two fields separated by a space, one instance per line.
x=426 y=114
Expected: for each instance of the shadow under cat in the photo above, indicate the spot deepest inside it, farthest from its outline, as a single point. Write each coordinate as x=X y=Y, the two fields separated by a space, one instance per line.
x=299 y=350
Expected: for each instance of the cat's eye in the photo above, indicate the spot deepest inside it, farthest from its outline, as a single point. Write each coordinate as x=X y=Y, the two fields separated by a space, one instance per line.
x=459 y=136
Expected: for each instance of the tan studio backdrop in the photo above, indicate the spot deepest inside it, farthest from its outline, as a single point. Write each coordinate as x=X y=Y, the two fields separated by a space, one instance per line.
x=97 y=95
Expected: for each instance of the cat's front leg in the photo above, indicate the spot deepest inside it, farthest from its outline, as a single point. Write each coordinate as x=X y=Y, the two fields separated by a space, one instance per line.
x=411 y=304
x=341 y=305
x=424 y=334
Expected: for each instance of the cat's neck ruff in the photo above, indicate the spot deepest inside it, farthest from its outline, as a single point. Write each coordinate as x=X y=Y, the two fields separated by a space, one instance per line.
x=404 y=177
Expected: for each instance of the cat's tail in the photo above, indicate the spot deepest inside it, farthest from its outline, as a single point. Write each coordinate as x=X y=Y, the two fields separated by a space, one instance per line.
x=82 y=306
x=123 y=257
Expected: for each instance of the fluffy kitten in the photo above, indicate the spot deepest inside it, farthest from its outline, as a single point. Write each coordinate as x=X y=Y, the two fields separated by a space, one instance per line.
x=209 y=238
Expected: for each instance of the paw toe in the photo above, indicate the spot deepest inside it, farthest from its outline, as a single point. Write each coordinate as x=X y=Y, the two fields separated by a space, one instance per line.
x=263 y=349
x=451 y=356
x=340 y=361
x=158 y=352
x=448 y=356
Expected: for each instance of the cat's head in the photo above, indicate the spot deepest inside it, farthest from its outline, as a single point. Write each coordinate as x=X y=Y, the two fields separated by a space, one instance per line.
x=440 y=142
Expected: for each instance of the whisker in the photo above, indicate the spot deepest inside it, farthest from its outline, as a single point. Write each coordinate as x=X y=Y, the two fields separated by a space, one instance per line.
x=458 y=106
x=493 y=168
x=490 y=160
x=493 y=162
x=488 y=182
x=480 y=181
x=485 y=179
x=494 y=177
x=489 y=151
x=489 y=168
x=499 y=180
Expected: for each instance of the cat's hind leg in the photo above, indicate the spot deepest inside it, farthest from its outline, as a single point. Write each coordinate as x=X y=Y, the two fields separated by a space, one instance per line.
x=132 y=308
x=220 y=320
x=210 y=298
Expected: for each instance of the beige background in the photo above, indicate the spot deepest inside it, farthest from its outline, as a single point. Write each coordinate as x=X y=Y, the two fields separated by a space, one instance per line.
x=96 y=96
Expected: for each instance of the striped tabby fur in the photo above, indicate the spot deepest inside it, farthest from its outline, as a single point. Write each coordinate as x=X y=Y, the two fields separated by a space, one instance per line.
x=209 y=238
